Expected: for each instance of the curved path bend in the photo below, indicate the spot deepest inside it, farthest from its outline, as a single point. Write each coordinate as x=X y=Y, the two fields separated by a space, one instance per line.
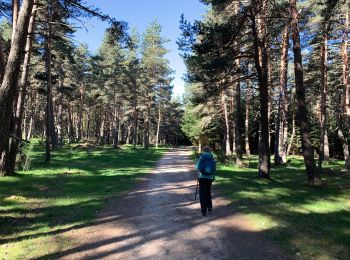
x=159 y=219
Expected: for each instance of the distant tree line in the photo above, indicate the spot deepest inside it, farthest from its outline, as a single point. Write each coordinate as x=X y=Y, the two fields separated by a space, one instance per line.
x=53 y=88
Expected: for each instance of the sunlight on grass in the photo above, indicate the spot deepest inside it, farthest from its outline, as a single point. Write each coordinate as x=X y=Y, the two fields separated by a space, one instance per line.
x=47 y=199
x=301 y=218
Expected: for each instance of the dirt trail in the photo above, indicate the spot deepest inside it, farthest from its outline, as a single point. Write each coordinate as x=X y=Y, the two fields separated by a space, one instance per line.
x=161 y=220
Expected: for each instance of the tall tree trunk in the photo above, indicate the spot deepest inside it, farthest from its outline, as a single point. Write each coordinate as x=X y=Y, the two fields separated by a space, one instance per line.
x=292 y=137
x=60 y=120
x=238 y=116
x=247 y=113
x=80 y=117
x=70 y=123
x=147 y=124
x=261 y=64
x=34 y=105
x=9 y=84
x=158 y=124
x=227 y=124
x=324 y=146
x=345 y=111
x=102 y=129
x=308 y=151
x=281 y=122
x=15 y=10
x=23 y=84
x=116 y=123
x=48 y=46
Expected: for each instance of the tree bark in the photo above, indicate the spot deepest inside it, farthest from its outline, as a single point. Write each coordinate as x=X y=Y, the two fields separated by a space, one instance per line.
x=227 y=124
x=23 y=85
x=308 y=151
x=80 y=117
x=147 y=124
x=281 y=122
x=324 y=146
x=70 y=123
x=238 y=127
x=15 y=10
x=345 y=110
x=158 y=124
x=9 y=84
x=247 y=115
x=2 y=59
x=292 y=137
x=48 y=46
x=261 y=64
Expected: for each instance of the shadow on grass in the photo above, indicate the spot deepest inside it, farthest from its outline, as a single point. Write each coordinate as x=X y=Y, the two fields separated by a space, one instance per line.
x=65 y=193
x=312 y=221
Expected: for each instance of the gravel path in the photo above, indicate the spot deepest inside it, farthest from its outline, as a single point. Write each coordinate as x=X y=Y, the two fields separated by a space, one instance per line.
x=159 y=219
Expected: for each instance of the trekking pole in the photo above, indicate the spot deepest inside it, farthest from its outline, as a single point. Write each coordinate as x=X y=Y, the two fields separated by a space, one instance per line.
x=195 y=196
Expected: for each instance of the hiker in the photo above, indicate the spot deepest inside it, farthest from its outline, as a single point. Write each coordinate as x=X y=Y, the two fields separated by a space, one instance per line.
x=206 y=167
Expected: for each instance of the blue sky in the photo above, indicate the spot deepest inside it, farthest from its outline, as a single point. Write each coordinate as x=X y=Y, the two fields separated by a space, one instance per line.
x=139 y=13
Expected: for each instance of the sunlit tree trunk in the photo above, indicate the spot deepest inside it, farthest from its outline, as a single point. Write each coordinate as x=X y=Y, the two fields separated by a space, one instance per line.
x=281 y=122
x=9 y=84
x=158 y=124
x=344 y=113
x=227 y=124
x=324 y=146
x=23 y=85
x=247 y=115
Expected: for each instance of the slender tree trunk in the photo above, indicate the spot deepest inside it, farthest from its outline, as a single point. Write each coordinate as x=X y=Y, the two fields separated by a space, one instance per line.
x=147 y=124
x=9 y=84
x=135 y=116
x=34 y=105
x=227 y=124
x=261 y=64
x=116 y=123
x=49 y=106
x=158 y=124
x=324 y=147
x=70 y=123
x=281 y=122
x=308 y=151
x=80 y=117
x=247 y=113
x=292 y=137
x=60 y=120
x=345 y=111
x=238 y=127
x=23 y=84
x=102 y=129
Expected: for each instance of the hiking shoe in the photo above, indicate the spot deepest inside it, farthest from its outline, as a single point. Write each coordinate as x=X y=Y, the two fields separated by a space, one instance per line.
x=204 y=214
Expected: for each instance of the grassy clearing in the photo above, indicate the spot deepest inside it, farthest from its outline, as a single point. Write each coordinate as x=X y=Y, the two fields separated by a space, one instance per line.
x=38 y=205
x=309 y=222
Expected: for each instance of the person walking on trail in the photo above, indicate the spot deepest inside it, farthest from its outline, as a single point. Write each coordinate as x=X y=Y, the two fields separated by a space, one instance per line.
x=206 y=167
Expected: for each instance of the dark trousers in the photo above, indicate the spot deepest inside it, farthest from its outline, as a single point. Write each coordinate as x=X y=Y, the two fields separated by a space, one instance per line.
x=205 y=194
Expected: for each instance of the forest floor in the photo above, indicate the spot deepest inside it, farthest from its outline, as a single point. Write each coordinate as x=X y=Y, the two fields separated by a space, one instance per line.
x=97 y=202
x=159 y=219
x=309 y=222
x=45 y=201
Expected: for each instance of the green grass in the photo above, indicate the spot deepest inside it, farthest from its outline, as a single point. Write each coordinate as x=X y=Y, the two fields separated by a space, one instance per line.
x=309 y=222
x=38 y=205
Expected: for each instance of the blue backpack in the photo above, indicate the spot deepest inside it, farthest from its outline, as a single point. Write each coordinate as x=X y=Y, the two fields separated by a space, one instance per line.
x=206 y=165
